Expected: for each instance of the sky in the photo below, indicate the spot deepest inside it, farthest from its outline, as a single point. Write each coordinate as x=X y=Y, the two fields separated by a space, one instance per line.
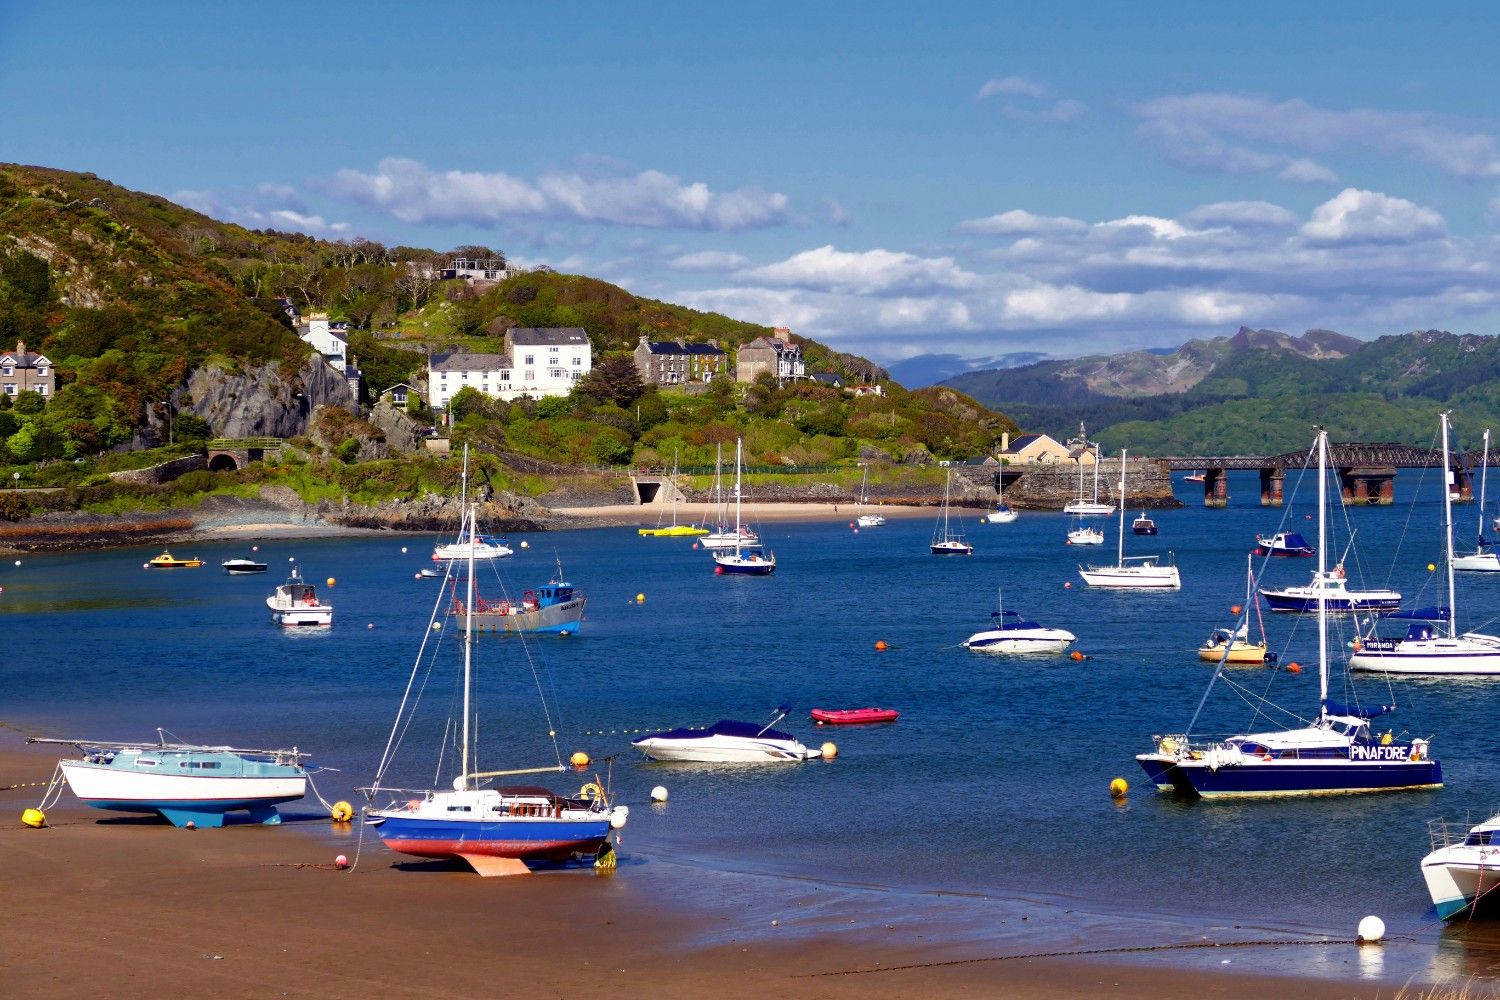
x=892 y=179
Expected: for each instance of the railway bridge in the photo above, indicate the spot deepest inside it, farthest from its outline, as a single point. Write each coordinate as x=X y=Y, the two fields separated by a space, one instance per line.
x=1366 y=472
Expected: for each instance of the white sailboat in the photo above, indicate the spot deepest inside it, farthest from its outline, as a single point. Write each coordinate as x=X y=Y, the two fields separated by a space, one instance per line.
x=1084 y=534
x=866 y=519
x=724 y=535
x=946 y=539
x=748 y=558
x=1002 y=514
x=484 y=547
x=1432 y=644
x=1134 y=572
x=1483 y=559
x=1081 y=507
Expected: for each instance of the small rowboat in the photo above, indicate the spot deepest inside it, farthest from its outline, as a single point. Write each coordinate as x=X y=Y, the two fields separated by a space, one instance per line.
x=852 y=716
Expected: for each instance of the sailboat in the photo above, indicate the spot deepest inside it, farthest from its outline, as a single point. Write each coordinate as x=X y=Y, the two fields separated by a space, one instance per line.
x=1335 y=753
x=1084 y=534
x=1135 y=572
x=1432 y=644
x=1482 y=560
x=673 y=530
x=947 y=540
x=1090 y=508
x=485 y=547
x=724 y=535
x=867 y=519
x=1233 y=645
x=747 y=558
x=495 y=830
x=1002 y=514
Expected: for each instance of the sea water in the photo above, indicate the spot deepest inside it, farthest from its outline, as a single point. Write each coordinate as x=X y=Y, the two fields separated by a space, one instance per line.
x=994 y=780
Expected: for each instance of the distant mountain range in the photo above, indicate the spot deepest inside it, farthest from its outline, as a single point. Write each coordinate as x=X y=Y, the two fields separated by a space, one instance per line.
x=1256 y=391
x=931 y=369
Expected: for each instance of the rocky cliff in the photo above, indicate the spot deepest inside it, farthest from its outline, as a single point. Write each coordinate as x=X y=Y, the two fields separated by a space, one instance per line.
x=264 y=400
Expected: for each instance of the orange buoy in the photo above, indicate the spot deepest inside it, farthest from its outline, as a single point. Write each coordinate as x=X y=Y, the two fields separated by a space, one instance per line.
x=1234 y=609
x=1077 y=656
x=1294 y=667
x=880 y=645
x=718 y=571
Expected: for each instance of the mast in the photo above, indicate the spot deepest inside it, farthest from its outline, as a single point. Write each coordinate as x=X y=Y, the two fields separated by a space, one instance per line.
x=719 y=485
x=1322 y=573
x=1484 y=473
x=674 y=487
x=1120 y=554
x=738 y=475
x=947 y=486
x=1098 y=457
x=468 y=653
x=1448 y=527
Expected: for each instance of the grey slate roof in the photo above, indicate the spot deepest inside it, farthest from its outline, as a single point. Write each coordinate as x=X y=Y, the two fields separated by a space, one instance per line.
x=1016 y=444
x=673 y=347
x=545 y=336
x=463 y=361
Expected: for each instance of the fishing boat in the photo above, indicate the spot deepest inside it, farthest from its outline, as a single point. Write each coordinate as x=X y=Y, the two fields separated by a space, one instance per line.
x=1133 y=572
x=1084 y=534
x=168 y=561
x=866 y=518
x=1463 y=867
x=554 y=608
x=1195 y=477
x=1287 y=544
x=1233 y=645
x=296 y=603
x=673 y=530
x=727 y=742
x=1330 y=591
x=1143 y=525
x=1002 y=514
x=946 y=539
x=1335 y=753
x=1009 y=632
x=724 y=534
x=1483 y=559
x=747 y=558
x=495 y=830
x=1081 y=507
x=186 y=783
x=242 y=567
x=852 y=716
x=1432 y=644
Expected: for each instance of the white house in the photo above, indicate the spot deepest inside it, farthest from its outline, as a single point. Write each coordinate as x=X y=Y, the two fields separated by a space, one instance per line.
x=329 y=339
x=537 y=362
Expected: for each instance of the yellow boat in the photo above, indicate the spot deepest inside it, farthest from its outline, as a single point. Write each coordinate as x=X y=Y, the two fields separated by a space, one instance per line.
x=672 y=530
x=1241 y=650
x=168 y=561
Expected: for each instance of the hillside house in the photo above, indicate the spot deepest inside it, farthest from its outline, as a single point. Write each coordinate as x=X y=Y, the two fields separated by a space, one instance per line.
x=673 y=362
x=537 y=362
x=23 y=371
x=476 y=269
x=329 y=339
x=776 y=355
x=399 y=393
x=1033 y=449
x=831 y=379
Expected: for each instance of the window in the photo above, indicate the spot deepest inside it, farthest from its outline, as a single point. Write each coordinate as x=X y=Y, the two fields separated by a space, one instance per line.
x=504 y=375
x=530 y=375
x=552 y=349
x=10 y=388
x=577 y=362
x=41 y=390
x=145 y=762
x=531 y=359
x=10 y=370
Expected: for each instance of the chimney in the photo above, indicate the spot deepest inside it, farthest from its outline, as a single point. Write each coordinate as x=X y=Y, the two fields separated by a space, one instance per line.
x=21 y=347
x=1005 y=441
x=783 y=334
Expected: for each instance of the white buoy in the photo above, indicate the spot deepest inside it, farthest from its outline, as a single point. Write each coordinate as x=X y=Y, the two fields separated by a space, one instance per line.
x=659 y=793
x=1371 y=930
x=403 y=550
x=437 y=626
x=18 y=562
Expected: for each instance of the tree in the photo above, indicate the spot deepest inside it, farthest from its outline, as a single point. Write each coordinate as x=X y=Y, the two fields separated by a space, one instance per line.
x=614 y=379
x=30 y=402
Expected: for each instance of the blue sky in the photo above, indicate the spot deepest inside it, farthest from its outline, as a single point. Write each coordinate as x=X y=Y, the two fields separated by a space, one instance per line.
x=892 y=179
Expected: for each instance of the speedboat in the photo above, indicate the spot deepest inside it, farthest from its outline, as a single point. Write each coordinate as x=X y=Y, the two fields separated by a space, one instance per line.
x=727 y=742
x=1331 y=589
x=1283 y=543
x=554 y=608
x=1010 y=633
x=168 y=561
x=1085 y=535
x=1463 y=859
x=241 y=567
x=869 y=520
x=485 y=547
x=296 y=603
x=1143 y=525
x=185 y=783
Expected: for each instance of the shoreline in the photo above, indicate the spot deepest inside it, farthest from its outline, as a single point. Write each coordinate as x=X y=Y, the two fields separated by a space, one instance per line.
x=690 y=927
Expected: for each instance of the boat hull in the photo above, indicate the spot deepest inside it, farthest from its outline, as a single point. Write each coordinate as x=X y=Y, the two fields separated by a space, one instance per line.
x=679 y=531
x=1046 y=640
x=713 y=750
x=554 y=619
x=537 y=838
x=1132 y=577
x=1239 y=653
x=1458 y=876
x=1281 y=777
x=1000 y=517
x=852 y=716
x=952 y=549
x=869 y=521
x=1431 y=657
x=1085 y=508
x=741 y=566
x=302 y=617
x=1479 y=562
x=726 y=540
x=181 y=798
x=1303 y=603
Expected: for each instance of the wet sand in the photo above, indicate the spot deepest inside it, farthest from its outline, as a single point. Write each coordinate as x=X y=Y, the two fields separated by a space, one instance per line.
x=754 y=512
x=103 y=904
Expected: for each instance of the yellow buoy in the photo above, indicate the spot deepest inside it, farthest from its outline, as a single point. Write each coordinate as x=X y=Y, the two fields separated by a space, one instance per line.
x=829 y=751
x=342 y=812
x=331 y=581
x=1431 y=567
x=34 y=818
x=580 y=759
x=640 y=598
x=1119 y=787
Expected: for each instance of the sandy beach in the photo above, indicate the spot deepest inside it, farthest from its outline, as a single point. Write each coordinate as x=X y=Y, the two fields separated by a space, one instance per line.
x=103 y=904
x=753 y=512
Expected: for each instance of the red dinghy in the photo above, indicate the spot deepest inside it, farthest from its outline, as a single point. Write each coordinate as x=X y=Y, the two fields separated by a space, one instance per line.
x=852 y=716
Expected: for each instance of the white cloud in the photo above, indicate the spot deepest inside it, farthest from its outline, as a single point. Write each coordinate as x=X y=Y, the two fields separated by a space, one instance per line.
x=414 y=193
x=1165 y=229
x=1355 y=216
x=1014 y=86
x=1305 y=171
x=266 y=206
x=1240 y=214
x=708 y=260
x=1051 y=305
x=869 y=272
x=1019 y=222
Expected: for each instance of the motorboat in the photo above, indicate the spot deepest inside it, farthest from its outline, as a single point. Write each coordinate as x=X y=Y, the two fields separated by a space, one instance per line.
x=1143 y=525
x=852 y=716
x=1463 y=866
x=1483 y=559
x=1283 y=543
x=1330 y=590
x=1009 y=632
x=727 y=742
x=1195 y=477
x=1133 y=572
x=746 y=557
x=187 y=784
x=1233 y=645
x=242 y=567
x=168 y=561
x=1085 y=535
x=948 y=540
x=554 y=608
x=296 y=603
x=1335 y=753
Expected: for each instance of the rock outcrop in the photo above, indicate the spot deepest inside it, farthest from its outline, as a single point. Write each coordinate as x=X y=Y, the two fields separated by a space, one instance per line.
x=264 y=400
x=401 y=432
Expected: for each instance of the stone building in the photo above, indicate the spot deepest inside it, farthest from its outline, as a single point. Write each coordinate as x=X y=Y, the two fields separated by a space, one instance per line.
x=669 y=362
x=24 y=371
x=775 y=355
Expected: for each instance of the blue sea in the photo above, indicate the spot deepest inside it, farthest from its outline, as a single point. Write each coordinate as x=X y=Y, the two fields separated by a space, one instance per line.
x=995 y=779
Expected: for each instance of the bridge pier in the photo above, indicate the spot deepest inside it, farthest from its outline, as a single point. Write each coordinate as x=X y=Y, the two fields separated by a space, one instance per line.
x=1215 y=488
x=1369 y=486
x=1463 y=481
x=1272 y=486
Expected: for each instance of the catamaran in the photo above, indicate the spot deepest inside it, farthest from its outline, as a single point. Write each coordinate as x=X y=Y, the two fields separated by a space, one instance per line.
x=1135 y=572
x=1483 y=559
x=1432 y=644
x=496 y=831
x=747 y=557
x=1464 y=867
x=946 y=539
x=1335 y=753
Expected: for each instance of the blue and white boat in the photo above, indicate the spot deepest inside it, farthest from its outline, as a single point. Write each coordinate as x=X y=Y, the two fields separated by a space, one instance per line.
x=1464 y=867
x=1283 y=543
x=727 y=741
x=1009 y=632
x=1336 y=753
x=946 y=539
x=1330 y=591
x=495 y=830
x=555 y=608
x=746 y=557
x=185 y=783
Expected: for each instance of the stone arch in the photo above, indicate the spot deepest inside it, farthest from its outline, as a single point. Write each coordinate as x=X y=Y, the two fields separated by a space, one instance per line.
x=223 y=462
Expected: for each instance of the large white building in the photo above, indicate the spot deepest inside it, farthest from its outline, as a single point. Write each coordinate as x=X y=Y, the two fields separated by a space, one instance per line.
x=329 y=339
x=537 y=362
